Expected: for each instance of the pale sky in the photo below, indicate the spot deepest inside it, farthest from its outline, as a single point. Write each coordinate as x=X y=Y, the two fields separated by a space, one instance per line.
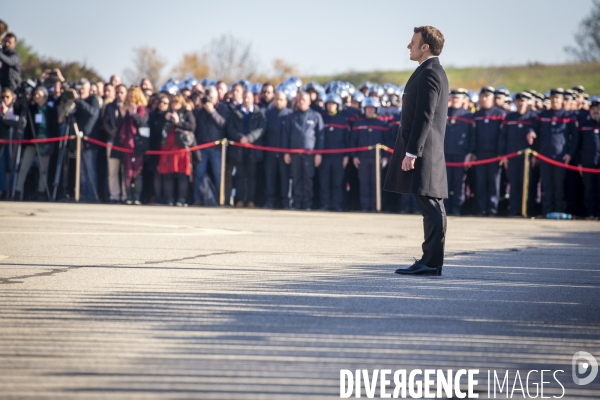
x=319 y=37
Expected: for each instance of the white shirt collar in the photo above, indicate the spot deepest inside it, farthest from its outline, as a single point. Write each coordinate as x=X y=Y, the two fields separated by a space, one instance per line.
x=428 y=58
x=246 y=111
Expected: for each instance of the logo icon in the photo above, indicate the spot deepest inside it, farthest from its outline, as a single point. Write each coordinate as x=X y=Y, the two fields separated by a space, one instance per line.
x=580 y=368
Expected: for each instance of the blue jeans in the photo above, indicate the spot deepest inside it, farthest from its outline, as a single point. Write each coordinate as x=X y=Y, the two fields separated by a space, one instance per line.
x=88 y=174
x=212 y=156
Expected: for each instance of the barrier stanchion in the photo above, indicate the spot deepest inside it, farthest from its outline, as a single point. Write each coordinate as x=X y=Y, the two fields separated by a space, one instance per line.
x=78 y=136
x=378 y=177
x=525 y=196
x=223 y=160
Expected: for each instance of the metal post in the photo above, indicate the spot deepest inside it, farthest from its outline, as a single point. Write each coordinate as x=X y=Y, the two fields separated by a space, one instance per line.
x=527 y=152
x=77 y=162
x=223 y=159
x=378 y=177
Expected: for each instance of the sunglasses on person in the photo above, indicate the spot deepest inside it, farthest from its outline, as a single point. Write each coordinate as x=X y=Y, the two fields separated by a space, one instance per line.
x=7 y=96
x=164 y=102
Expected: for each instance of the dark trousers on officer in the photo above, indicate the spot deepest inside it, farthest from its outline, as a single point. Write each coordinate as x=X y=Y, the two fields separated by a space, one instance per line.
x=303 y=172
x=515 y=178
x=456 y=184
x=366 y=180
x=275 y=166
x=331 y=179
x=591 y=197
x=553 y=188
x=245 y=178
x=487 y=181
x=434 y=224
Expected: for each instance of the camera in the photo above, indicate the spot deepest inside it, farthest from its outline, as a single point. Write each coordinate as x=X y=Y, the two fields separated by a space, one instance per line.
x=206 y=98
x=24 y=91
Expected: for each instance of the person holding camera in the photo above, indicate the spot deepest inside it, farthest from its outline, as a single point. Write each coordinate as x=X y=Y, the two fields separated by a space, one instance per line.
x=131 y=137
x=178 y=134
x=156 y=123
x=41 y=123
x=87 y=111
x=211 y=120
x=10 y=71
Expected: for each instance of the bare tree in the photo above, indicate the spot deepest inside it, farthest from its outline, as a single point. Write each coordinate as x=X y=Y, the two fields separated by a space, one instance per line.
x=230 y=59
x=147 y=63
x=587 y=38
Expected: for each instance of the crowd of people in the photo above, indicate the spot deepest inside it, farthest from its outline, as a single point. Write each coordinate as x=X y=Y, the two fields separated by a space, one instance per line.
x=269 y=128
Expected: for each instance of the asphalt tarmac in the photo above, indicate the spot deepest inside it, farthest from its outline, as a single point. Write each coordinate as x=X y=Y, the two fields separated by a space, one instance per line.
x=140 y=302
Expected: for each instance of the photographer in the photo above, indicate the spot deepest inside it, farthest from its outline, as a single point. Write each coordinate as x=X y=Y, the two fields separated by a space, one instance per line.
x=87 y=110
x=10 y=72
x=177 y=167
x=41 y=123
x=211 y=121
x=156 y=123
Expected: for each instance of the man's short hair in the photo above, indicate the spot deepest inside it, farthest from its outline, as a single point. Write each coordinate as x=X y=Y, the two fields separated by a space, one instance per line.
x=268 y=84
x=236 y=85
x=10 y=35
x=433 y=37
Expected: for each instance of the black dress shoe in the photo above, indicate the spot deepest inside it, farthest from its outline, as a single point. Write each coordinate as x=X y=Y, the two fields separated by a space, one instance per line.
x=419 y=269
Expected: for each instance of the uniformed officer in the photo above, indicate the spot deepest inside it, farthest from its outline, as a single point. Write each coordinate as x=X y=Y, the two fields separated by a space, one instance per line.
x=336 y=133
x=303 y=130
x=556 y=136
x=276 y=115
x=570 y=103
x=589 y=157
x=456 y=148
x=485 y=134
x=515 y=129
x=369 y=131
x=501 y=95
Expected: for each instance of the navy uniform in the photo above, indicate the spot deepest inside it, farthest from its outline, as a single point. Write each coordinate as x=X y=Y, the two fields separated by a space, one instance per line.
x=336 y=134
x=589 y=157
x=456 y=148
x=274 y=164
x=303 y=130
x=368 y=132
x=557 y=135
x=485 y=136
x=514 y=138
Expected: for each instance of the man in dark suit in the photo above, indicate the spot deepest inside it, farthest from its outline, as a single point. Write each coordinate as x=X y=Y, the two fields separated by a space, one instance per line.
x=418 y=166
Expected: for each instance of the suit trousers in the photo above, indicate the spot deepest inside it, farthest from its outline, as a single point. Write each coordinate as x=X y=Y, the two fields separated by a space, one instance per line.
x=515 y=178
x=553 y=188
x=434 y=224
x=487 y=178
x=456 y=184
x=274 y=166
x=331 y=179
x=303 y=172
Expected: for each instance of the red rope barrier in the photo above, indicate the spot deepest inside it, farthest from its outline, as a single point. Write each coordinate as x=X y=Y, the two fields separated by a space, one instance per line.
x=470 y=163
x=35 y=141
x=301 y=151
x=566 y=166
x=152 y=152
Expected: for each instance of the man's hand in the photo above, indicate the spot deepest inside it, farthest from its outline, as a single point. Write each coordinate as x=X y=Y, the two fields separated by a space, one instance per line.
x=175 y=118
x=580 y=171
x=318 y=159
x=208 y=106
x=384 y=162
x=75 y=94
x=566 y=158
x=530 y=137
x=356 y=162
x=287 y=158
x=244 y=140
x=408 y=163
x=533 y=161
x=345 y=161
x=504 y=162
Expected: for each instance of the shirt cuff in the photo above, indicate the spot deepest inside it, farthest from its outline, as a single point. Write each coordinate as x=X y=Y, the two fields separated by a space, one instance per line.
x=410 y=155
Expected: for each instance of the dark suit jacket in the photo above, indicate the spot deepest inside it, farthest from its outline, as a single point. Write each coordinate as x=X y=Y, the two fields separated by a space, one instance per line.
x=422 y=127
